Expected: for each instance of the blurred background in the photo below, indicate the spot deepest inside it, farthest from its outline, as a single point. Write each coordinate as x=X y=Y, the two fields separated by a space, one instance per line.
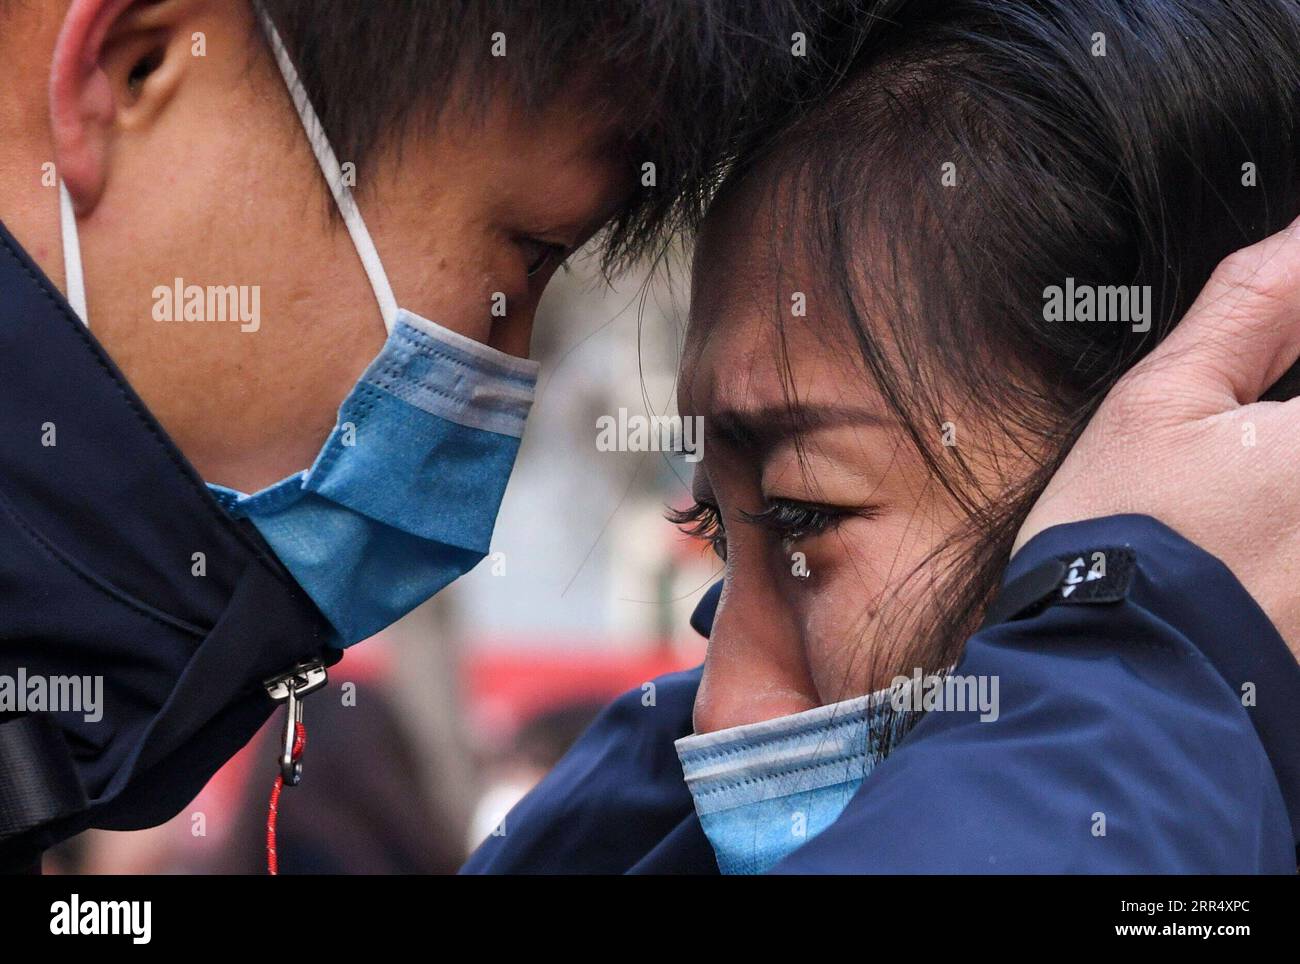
x=428 y=733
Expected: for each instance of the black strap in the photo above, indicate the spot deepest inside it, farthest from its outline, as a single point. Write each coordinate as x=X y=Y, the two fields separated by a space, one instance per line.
x=38 y=779
x=1096 y=575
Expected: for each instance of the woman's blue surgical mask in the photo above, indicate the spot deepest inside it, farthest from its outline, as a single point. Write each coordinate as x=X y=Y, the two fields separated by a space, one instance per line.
x=403 y=497
x=763 y=790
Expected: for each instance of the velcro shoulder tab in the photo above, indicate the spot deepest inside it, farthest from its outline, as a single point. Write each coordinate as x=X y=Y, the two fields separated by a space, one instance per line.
x=1098 y=575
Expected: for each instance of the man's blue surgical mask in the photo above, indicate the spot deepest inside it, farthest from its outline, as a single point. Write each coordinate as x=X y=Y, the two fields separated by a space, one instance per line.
x=763 y=790
x=403 y=497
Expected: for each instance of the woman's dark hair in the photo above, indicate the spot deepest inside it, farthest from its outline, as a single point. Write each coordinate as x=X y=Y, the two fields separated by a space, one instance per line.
x=982 y=154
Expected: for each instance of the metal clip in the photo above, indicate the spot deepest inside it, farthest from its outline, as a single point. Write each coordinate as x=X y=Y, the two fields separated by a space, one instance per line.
x=307 y=677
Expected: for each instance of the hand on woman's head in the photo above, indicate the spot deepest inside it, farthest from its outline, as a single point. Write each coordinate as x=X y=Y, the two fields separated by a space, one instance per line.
x=1184 y=438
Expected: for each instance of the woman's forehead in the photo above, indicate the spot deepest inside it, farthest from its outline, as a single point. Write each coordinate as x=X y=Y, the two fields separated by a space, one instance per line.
x=758 y=319
x=745 y=350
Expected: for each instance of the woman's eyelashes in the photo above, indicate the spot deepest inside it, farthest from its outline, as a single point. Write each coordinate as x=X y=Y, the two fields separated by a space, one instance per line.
x=702 y=521
x=791 y=520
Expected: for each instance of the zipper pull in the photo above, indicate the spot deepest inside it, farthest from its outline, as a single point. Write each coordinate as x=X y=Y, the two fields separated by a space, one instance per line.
x=306 y=677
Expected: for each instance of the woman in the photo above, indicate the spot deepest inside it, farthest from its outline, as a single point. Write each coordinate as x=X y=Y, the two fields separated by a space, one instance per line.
x=904 y=313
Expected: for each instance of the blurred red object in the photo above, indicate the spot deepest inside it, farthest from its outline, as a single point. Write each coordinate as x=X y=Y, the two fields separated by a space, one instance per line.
x=507 y=685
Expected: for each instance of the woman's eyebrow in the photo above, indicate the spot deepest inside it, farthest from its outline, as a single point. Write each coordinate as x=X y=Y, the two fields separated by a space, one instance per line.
x=762 y=428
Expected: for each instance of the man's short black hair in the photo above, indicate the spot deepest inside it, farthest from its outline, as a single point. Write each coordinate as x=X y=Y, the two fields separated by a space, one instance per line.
x=691 y=80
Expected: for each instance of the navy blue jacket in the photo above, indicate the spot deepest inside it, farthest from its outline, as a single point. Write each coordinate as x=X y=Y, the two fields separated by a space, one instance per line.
x=1158 y=704
x=116 y=562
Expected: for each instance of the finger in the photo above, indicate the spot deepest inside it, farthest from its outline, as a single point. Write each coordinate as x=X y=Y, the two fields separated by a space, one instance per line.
x=1242 y=333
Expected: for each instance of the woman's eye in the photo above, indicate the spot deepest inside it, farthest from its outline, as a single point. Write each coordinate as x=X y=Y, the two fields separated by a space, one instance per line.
x=539 y=254
x=791 y=521
x=702 y=521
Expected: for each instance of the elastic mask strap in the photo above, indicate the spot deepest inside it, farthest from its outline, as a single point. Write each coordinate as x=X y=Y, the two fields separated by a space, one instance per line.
x=333 y=173
x=329 y=165
x=76 y=279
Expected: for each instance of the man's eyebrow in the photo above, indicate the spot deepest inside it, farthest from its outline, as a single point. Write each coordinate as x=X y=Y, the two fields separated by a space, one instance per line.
x=762 y=428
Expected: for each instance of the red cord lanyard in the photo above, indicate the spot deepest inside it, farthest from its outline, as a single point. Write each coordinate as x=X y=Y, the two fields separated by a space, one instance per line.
x=272 y=859
x=291 y=687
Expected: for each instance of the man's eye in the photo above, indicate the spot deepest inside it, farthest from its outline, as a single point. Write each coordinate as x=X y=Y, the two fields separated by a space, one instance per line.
x=539 y=254
x=702 y=521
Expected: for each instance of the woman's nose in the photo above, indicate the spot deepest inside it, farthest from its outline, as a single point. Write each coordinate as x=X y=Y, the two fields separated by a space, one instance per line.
x=756 y=668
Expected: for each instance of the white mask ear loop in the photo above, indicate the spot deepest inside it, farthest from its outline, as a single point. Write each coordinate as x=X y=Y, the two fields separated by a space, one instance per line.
x=329 y=166
x=75 y=282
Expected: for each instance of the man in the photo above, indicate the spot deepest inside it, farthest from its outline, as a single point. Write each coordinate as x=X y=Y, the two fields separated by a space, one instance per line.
x=277 y=410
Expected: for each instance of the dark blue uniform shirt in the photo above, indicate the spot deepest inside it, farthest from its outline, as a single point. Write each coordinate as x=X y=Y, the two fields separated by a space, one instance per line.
x=102 y=525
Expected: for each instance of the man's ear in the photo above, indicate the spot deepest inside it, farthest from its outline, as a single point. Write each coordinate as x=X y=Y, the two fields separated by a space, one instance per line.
x=116 y=65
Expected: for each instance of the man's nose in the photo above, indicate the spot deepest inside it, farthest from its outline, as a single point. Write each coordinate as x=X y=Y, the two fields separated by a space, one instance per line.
x=756 y=668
